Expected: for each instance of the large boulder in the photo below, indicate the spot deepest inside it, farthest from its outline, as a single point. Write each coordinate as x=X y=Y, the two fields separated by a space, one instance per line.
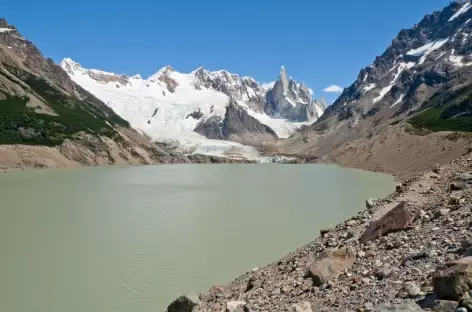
x=444 y=306
x=330 y=264
x=404 y=307
x=463 y=180
x=186 y=303
x=399 y=218
x=454 y=279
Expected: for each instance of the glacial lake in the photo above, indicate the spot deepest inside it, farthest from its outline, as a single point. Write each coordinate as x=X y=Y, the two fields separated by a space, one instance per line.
x=135 y=238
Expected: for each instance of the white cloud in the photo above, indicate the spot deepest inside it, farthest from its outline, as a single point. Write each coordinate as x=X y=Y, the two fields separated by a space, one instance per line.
x=333 y=89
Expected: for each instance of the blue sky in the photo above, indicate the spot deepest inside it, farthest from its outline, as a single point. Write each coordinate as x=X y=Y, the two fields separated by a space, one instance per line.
x=319 y=42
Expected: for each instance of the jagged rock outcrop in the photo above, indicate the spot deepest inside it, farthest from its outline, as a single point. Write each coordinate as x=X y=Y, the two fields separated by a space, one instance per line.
x=237 y=125
x=293 y=101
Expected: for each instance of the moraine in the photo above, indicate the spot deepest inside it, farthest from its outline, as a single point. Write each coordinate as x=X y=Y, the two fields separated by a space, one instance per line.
x=135 y=238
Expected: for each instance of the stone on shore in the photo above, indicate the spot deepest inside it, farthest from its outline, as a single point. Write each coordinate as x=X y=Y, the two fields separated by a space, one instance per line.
x=371 y=202
x=330 y=264
x=232 y=306
x=186 y=303
x=396 y=219
x=403 y=307
x=454 y=279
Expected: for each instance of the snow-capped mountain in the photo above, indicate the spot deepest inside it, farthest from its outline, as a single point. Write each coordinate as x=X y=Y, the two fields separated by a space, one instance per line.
x=421 y=61
x=202 y=104
x=424 y=77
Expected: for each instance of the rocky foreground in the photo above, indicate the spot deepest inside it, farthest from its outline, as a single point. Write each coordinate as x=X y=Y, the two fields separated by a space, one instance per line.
x=411 y=251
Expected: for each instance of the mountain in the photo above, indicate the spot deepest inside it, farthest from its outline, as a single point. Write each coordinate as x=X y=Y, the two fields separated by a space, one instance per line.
x=47 y=120
x=422 y=81
x=215 y=105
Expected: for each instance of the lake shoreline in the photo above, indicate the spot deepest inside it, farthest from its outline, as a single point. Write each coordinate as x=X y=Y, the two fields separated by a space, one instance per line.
x=286 y=285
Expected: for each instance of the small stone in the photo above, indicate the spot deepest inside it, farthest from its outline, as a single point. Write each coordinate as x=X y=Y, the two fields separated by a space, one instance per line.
x=422 y=214
x=400 y=189
x=366 y=280
x=370 y=254
x=444 y=306
x=189 y=302
x=410 y=290
x=368 y=306
x=467 y=303
x=231 y=306
x=351 y=223
x=304 y=306
x=454 y=201
x=457 y=186
x=371 y=202
x=442 y=212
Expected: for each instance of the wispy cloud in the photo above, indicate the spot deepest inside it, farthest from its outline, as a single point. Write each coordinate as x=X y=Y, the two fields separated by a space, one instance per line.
x=333 y=89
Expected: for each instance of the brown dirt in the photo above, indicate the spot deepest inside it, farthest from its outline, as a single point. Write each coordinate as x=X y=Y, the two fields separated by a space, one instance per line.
x=396 y=150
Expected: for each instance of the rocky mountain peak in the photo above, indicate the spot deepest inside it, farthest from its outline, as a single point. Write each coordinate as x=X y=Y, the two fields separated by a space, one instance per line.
x=291 y=100
x=70 y=66
x=420 y=61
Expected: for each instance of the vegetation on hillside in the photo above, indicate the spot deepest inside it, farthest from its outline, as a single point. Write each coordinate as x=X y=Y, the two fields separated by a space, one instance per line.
x=447 y=111
x=19 y=124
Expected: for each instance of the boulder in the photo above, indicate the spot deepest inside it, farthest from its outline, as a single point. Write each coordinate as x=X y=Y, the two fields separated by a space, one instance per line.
x=410 y=290
x=186 y=303
x=454 y=279
x=330 y=264
x=232 y=306
x=371 y=202
x=304 y=306
x=462 y=181
x=403 y=307
x=444 y=306
x=399 y=218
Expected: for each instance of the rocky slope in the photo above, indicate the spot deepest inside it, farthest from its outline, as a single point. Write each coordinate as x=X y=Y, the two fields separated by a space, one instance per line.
x=215 y=105
x=423 y=79
x=47 y=120
x=408 y=252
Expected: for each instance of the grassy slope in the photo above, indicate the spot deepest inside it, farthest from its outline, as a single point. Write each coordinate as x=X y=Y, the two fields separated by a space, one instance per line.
x=447 y=111
x=19 y=124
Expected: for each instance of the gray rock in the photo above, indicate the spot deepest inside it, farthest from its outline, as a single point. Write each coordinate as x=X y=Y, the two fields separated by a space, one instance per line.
x=454 y=279
x=467 y=303
x=232 y=306
x=410 y=290
x=186 y=303
x=403 y=307
x=330 y=264
x=371 y=202
x=444 y=306
x=461 y=310
x=304 y=306
x=442 y=212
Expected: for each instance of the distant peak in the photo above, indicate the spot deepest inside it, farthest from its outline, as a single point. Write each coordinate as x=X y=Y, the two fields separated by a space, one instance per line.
x=164 y=70
x=283 y=72
x=70 y=65
x=137 y=76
